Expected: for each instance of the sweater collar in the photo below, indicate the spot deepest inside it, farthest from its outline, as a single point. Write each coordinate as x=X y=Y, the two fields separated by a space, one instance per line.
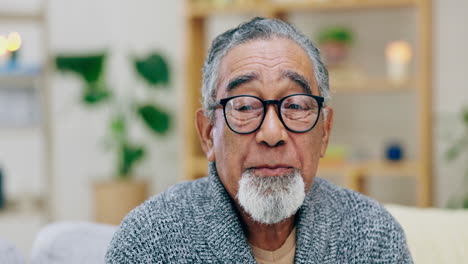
x=315 y=220
x=225 y=236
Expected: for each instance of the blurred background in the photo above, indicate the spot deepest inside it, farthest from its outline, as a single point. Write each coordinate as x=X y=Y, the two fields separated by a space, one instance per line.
x=97 y=100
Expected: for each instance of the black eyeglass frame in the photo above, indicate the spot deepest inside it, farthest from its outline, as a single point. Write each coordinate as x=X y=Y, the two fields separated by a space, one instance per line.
x=265 y=103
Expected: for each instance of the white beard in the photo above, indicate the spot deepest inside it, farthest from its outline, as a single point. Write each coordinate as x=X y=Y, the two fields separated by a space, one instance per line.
x=271 y=199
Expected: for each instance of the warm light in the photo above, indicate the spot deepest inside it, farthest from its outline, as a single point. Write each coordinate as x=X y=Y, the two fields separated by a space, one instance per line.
x=399 y=51
x=14 y=41
x=398 y=56
x=3 y=45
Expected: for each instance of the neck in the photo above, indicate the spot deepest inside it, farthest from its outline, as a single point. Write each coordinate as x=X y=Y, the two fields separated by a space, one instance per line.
x=267 y=237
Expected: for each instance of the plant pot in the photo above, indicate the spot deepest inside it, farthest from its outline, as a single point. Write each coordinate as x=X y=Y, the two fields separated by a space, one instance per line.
x=115 y=199
x=334 y=53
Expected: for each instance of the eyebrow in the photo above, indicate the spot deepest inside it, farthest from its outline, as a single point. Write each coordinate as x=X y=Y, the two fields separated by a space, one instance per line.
x=292 y=75
x=301 y=80
x=239 y=80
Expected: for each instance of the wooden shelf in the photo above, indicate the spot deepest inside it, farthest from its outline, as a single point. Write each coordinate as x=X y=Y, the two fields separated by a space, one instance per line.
x=19 y=131
x=36 y=78
x=19 y=80
x=334 y=5
x=372 y=168
x=21 y=16
x=198 y=13
x=203 y=10
x=271 y=7
x=33 y=15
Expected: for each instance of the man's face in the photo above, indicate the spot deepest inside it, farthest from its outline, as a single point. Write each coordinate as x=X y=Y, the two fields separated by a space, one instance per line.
x=272 y=150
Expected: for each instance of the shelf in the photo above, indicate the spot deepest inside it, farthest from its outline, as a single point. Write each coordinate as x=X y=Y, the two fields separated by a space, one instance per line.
x=21 y=16
x=353 y=81
x=272 y=7
x=292 y=6
x=372 y=168
x=372 y=85
x=202 y=10
x=31 y=80
x=19 y=80
x=32 y=206
x=19 y=131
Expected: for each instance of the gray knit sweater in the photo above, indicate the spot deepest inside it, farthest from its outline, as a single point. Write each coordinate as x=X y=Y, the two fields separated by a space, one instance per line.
x=195 y=222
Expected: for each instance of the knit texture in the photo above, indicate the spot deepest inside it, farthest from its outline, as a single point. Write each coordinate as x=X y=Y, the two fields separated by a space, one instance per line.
x=195 y=222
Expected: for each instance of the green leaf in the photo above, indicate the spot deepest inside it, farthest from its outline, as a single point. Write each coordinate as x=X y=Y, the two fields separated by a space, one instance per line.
x=465 y=202
x=89 y=67
x=336 y=34
x=157 y=120
x=118 y=127
x=153 y=69
x=465 y=116
x=130 y=155
x=93 y=97
x=453 y=152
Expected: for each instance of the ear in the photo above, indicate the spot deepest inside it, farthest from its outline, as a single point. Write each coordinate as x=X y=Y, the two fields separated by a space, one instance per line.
x=327 y=126
x=204 y=129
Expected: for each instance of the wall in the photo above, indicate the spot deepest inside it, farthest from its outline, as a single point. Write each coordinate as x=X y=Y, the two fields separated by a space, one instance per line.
x=123 y=29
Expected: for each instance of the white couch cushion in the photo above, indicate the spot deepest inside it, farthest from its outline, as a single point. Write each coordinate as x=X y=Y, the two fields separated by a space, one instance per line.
x=434 y=235
x=72 y=243
x=9 y=254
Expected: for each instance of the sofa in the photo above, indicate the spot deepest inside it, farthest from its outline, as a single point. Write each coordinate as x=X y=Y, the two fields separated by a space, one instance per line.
x=72 y=243
x=9 y=253
x=433 y=235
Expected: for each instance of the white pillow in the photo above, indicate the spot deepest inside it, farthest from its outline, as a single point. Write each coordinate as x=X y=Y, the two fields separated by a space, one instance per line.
x=72 y=243
x=9 y=254
x=434 y=235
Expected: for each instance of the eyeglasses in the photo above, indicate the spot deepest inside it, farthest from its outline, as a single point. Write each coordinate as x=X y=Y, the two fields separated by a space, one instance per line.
x=244 y=114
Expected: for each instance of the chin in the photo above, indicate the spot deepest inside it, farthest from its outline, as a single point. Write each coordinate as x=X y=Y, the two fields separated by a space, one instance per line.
x=271 y=199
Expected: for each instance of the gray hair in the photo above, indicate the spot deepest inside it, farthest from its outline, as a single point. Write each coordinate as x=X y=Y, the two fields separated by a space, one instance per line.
x=257 y=28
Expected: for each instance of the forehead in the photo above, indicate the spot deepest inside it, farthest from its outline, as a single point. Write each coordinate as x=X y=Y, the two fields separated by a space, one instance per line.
x=266 y=58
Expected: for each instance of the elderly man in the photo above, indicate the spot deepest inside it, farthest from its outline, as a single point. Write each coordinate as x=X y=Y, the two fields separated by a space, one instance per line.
x=264 y=126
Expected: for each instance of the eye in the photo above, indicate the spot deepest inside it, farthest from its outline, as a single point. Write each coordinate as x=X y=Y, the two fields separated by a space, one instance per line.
x=294 y=107
x=244 y=108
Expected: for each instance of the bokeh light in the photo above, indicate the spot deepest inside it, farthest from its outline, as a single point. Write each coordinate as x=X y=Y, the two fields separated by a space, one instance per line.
x=13 y=41
x=399 y=51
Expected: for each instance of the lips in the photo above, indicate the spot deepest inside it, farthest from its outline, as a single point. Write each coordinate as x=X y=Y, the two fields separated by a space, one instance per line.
x=268 y=170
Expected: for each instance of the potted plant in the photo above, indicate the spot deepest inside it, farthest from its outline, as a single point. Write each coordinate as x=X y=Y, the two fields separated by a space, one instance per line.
x=334 y=44
x=459 y=149
x=115 y=198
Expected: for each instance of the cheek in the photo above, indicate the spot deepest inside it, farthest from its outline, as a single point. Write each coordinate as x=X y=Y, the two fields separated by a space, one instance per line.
x=229 y=146
x=309 y=152
x=228 y=155
x=218 y=131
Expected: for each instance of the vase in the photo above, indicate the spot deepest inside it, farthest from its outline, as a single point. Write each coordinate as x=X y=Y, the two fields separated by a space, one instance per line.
x=115 y=199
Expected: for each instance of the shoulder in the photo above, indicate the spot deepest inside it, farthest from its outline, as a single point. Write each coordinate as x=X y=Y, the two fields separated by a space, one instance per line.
x=155 y=223
x=168 y=205
x=351 y=203
x=366 y=226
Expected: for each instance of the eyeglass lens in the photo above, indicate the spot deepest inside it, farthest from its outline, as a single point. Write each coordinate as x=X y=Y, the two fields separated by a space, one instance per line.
x=245 y=114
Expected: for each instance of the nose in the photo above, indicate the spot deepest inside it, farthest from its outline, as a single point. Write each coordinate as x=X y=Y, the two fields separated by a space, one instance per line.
x=272 y=132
